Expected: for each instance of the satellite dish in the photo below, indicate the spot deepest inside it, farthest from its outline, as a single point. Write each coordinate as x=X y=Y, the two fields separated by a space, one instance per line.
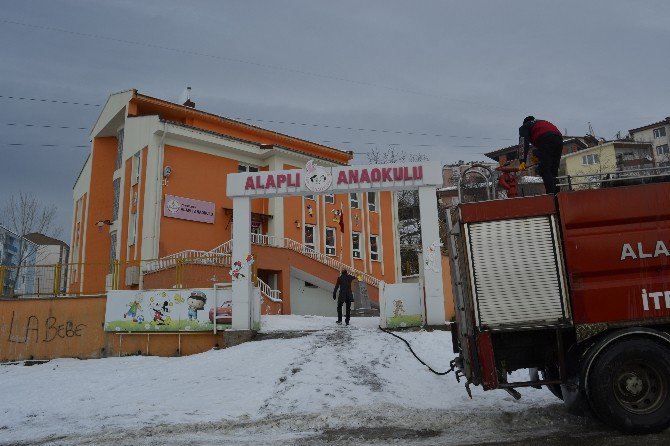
x=167 y=171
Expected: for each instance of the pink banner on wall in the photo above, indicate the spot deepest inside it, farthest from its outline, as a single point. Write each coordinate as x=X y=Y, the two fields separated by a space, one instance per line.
x=188 y=209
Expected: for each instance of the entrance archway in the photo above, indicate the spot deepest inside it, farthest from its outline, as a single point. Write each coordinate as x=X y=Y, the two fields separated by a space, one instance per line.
x=317 y=180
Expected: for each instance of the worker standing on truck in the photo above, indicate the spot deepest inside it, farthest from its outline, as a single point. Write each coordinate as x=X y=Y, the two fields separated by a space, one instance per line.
x=548 y=142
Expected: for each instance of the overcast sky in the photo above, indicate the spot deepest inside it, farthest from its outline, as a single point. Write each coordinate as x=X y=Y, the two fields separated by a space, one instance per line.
x=450 y=79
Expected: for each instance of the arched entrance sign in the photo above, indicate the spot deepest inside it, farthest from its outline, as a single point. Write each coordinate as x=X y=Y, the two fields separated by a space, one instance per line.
x=315 y=179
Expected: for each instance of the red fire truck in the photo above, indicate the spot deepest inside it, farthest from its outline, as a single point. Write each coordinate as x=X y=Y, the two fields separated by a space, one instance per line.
x=574 y=287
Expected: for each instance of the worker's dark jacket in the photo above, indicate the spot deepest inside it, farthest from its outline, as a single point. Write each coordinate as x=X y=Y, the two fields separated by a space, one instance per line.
x=533 y=131
x=344 y=285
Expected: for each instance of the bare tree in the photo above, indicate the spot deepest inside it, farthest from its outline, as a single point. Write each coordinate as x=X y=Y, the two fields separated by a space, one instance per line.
x=408 y=208
x=24 y=214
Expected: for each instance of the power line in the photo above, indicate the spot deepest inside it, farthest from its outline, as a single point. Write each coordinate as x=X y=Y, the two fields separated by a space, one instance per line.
x=45 y=126
x=241 y=61
x=273 y=121
x=21 y=144
x=22 y=98
x=396 y=132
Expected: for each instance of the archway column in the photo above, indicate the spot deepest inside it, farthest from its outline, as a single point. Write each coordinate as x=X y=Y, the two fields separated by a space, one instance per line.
x=432 y=257
x=242 y=286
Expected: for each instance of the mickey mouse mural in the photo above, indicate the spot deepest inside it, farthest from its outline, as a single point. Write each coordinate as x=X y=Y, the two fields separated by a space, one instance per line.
x=318 y=179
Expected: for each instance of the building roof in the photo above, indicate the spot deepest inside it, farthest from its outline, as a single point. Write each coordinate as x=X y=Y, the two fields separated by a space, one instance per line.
x=566 y=140
x=494 y=155
x=649 y=126
x=286 y=141
x=41 y=239
x=621 y=144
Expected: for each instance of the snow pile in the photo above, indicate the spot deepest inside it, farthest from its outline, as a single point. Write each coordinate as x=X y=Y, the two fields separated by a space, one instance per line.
x=335 y=378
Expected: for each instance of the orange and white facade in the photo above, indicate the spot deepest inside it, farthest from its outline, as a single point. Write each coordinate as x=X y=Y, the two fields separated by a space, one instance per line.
x=154 y=187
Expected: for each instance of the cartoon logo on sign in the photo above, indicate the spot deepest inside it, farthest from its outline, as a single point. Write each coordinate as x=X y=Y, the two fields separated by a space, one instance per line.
x=173 y=206
x=317 y=179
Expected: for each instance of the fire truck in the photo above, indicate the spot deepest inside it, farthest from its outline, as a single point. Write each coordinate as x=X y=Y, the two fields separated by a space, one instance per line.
x=574 y=287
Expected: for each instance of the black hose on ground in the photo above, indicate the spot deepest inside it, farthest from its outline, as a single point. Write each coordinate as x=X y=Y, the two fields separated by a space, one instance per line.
x=412 y=351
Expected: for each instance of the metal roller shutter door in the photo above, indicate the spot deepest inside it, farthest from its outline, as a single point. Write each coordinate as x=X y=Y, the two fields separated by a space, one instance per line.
x=515 y=272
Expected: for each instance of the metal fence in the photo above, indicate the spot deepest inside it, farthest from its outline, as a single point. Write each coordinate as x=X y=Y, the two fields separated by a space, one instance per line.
x=89 y=278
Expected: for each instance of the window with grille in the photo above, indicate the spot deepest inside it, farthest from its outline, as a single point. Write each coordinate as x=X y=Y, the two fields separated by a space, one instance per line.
x=374 y=247
x=329 y=198
x=591 y=159
x=310 y=237
x=119 y=149
x=662 y=150
x=356 y=245
x=136 y=168
x=246 y=168
x=372 y=201
x=112 y=251
x=132 y=229
x=330 y=241
x=659 y=132
x=353 y=200
x=117 y=193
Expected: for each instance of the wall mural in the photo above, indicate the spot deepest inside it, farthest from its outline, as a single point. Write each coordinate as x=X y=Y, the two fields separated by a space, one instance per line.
x=241 y=269
x=167 y=310
x=434 y=257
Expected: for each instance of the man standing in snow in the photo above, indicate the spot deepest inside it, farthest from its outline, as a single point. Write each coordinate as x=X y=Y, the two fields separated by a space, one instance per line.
x=346 y=295
x=548 y=142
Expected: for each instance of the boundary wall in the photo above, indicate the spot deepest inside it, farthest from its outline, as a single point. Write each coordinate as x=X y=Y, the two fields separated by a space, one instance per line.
x=72 y=327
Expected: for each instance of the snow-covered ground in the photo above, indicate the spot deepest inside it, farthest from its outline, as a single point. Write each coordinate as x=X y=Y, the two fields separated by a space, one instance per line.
x=343 y=385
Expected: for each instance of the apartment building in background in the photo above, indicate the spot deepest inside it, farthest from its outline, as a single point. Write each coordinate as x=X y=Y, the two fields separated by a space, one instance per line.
x=154 y=187
x=17 y=257
x=658 y=135
x=51 y=258
x=607 y=157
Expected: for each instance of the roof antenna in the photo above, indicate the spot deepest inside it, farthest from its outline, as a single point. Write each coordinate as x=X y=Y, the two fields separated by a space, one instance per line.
x=189 y=102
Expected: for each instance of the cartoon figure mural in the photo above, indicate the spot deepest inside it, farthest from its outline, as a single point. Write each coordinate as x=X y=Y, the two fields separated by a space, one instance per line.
x=310 y=210
x=433 y=258
x=196 y=302
x=133 y=307
x=164 y=310
x=239 y=268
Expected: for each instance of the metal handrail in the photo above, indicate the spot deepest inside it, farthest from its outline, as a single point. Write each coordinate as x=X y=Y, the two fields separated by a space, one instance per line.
x=225 y=250
x=268 y=292
x=616 y=176
x=490 y=186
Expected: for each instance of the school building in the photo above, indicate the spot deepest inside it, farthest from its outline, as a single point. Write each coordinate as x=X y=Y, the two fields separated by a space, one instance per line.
x=151 y=211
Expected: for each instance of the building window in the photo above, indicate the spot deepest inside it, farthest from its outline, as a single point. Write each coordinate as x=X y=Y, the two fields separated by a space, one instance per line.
x=132 y=229
x=246 y=168
x=353 y=200
x=662 y=150
x=256 y=227
x=356 y=245
x=310 y=237
x=112 y=251
x=136 y=167
x=372 y=201
x=329 y=198
x=374 y=247
x=330 y=241
x=588 y=160
x=309 y=197
x=119 y=149
x=659 y=132
x=117 y=192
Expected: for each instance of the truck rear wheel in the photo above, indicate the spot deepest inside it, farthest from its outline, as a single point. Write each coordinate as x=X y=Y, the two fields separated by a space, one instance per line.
x=629 y=386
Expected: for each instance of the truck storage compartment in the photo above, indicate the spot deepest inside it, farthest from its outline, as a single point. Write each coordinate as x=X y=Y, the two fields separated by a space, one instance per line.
x=515 y=268
x=518 y=283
